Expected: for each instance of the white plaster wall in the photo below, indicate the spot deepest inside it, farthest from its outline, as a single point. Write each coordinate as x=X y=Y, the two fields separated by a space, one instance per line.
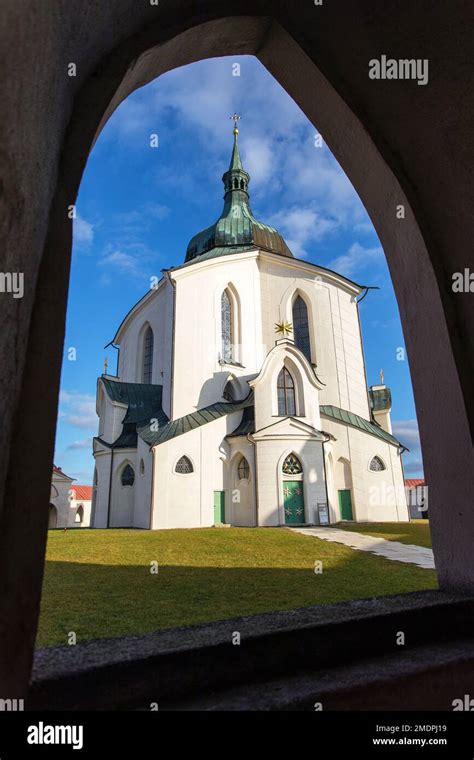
x=270 y=455
x=242 y=511
x=187 y=501
x=74 y=506
x=198 y=377
x=156 y=310
x=61 y=501
x=376 y=496
x=123 y=497
x=102 y=457
x=334 y=326
x=265 y=387
x=141 y=511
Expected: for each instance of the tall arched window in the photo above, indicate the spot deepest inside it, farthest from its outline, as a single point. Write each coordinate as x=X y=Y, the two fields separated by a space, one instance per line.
x=128 y=476
x=301 y=327
x=147 y=355
x=243 y=470
x=79 y=517
x=226 y=326
x=286 y=394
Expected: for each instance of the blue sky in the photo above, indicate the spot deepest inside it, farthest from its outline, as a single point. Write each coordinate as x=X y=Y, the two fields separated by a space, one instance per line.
x=139 y=206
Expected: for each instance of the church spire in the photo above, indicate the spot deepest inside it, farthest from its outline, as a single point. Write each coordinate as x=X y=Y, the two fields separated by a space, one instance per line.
x=236 y=230
x=235 y=161
x=236 y=179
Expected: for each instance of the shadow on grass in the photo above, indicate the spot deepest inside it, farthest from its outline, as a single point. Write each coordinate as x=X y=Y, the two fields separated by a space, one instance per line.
x=95 y=600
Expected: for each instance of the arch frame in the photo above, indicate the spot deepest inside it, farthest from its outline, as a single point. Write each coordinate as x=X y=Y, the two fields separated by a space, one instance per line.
x=125 y=49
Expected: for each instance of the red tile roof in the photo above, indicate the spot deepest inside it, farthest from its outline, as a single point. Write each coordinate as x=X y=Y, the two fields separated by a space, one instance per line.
x=82 y=492
x=414 y=482
x=59 y=471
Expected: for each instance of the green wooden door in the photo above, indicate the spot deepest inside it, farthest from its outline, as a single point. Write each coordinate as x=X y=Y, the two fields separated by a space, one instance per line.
x=293 y=502
x=345 y=505
x=219 y=507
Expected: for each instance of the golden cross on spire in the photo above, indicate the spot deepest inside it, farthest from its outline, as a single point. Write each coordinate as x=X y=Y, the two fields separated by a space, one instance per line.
x=106 y=364
x=235 y=118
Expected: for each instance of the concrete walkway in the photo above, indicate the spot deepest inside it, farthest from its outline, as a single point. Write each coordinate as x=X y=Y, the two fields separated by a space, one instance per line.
x=416 y=555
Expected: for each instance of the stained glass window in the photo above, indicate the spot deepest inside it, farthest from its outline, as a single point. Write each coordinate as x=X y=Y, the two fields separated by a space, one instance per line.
x=286 y=394
x=243 y=469
x=292 y=465
x=184 y=466
x=376 y=465
x=147 y=355
x=226 y=317
x=128 y=476
x=301 y=327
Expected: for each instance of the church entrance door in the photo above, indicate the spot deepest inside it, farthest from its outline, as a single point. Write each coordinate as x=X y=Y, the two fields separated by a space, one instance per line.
x=345 y=504
x=219 y=507
x=293 y=502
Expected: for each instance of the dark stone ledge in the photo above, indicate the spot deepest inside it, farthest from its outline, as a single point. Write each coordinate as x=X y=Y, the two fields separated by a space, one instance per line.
x=189 y=662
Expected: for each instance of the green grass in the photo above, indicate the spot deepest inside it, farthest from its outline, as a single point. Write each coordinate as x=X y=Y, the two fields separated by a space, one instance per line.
x=416 y=532
x=98 y=582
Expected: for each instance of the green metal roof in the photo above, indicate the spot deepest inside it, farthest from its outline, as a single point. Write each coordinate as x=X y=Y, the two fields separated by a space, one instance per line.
x=126 y=440
x=192 y=421
x=247 y=423
x=349 y=418
x=380 y=399
x=236 y=227
x=143 y=400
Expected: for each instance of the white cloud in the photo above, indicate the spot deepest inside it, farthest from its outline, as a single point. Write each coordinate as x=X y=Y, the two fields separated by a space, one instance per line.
x=85 y=443
x=356 y=259
x=407 y=433
x=301 y=226
x=77 y=409
x=83 y=231
x=124 y=263
x=257 y=159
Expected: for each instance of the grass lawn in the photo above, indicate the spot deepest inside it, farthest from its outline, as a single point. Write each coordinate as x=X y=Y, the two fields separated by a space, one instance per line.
x=98 y=582
x=416 y=532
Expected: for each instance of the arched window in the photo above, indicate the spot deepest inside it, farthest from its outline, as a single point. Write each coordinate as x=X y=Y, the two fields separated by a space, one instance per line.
x=142 y=467
x=376 y=465
x=243 y=470
x=227 y=326
x=184 y=466
x=128 y=476
x=147 y=355
x=286 y=394
x=301 y=327
x=292 y=465
x=79 y=514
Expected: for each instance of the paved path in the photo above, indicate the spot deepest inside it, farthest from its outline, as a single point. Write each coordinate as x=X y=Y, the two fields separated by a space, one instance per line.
x=416 y=555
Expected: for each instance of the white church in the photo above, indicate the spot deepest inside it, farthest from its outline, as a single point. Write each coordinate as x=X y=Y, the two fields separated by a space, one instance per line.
x=241 y=395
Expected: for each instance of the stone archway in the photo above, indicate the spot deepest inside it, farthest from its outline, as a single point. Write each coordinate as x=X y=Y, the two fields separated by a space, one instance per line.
x=370 y=129
x=52 y=517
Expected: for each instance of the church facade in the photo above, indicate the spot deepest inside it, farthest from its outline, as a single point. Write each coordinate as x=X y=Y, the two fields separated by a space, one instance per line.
x=241 y=395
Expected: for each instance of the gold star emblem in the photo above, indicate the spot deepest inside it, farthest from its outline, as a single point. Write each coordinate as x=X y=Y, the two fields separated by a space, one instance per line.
x=283 y=328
